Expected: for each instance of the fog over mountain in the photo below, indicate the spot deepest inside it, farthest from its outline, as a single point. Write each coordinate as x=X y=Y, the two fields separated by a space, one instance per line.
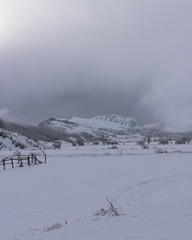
x=86 y=58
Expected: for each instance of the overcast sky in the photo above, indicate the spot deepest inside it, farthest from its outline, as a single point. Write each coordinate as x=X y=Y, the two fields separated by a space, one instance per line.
x=64 y=58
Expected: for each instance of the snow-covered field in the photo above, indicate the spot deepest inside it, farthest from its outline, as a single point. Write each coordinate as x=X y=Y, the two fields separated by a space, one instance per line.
x=151 y=191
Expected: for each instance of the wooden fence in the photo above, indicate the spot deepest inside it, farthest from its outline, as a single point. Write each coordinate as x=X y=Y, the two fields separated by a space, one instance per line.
x=20 y=160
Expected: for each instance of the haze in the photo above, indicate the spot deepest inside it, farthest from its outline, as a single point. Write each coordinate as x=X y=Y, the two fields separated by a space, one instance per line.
x=83 y=58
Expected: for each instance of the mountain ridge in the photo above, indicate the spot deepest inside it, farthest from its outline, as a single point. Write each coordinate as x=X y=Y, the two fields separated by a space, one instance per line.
x=108 y=126
x=113 y=121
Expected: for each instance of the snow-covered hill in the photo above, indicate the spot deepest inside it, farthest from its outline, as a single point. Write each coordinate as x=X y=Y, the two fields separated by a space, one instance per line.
x=15 y=141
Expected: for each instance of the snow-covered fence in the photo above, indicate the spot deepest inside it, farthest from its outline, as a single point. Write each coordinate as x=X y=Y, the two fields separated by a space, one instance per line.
x=21 y=160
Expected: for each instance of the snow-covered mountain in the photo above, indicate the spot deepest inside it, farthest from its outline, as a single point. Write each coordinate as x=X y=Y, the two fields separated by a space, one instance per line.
x=110 y=126
x=114 y=122
x=109 y=122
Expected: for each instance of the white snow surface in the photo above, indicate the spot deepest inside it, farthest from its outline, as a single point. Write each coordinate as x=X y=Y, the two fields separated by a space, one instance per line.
x=151 y=191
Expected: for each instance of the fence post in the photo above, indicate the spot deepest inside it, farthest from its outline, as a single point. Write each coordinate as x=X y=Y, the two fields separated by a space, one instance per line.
x=28 y=159
x=12 y=163
x=18 y=157
x=45 y=158
x=4 y=164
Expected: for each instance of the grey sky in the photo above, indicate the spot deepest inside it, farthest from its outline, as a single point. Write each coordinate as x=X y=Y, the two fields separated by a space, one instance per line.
x=65 y=58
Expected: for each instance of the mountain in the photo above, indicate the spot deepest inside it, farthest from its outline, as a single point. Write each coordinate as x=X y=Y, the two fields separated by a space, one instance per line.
x=110 y=126
x=109 y=122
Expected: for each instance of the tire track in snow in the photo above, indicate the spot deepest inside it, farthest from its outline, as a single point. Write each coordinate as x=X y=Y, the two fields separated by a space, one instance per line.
x=136 y=195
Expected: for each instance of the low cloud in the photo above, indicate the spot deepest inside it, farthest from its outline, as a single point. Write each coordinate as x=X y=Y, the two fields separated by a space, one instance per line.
x=4 y=112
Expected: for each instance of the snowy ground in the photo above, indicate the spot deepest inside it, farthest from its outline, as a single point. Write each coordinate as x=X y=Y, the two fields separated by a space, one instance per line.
x=152 y=192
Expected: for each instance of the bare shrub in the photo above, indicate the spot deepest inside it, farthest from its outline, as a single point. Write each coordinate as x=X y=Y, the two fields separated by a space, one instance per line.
x=80 y=142
x=111 y=211
x=160 y=150
x=57 y=145
x=114 y=147
x=18 y=144
x=96 y=143
x=110 y=142
x=182 y=140
x=101 y=212
x=142 y=144
x=3 y=134
x=164 y=141
x=52 y=227
x=74 y=143
x=103 y=139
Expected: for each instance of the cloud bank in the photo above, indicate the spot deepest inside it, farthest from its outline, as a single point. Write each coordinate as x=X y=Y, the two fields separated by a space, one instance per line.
x=85 y=58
